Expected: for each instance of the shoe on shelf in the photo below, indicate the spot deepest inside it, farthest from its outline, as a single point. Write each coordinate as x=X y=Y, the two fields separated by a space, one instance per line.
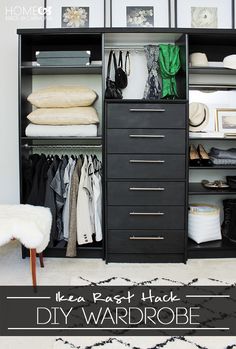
x=194 y=158
x=204 y=157
x=218 y=184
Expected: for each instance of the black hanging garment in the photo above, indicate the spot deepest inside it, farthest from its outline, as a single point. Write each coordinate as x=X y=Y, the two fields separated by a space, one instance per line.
x=120 y=75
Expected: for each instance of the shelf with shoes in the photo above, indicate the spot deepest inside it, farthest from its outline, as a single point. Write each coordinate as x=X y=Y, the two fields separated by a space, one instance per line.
x=199 y=189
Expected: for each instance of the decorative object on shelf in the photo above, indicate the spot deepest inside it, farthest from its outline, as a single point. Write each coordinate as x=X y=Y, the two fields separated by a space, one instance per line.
x=204 y=223
x=198 y=59
x=230 y=62
x=75 y=14
x=217 y=184
x=229 y=224
x=226 y=120
x=198 y=116
x=112 y=91
x=121 y=78
x=222 y=156
x=231 y=181
x=140 y=13
x=152 y=89
x=202 y=14
x=169 y=62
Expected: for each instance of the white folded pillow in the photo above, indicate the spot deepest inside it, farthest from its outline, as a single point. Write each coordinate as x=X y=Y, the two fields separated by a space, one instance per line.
x=64 y=116
x=61 y=131
x=62 y=97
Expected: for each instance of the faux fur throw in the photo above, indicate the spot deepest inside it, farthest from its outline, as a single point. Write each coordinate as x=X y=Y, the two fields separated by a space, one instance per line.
x=29 y=224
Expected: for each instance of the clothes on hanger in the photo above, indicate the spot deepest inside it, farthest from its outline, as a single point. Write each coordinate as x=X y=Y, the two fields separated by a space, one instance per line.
x=72 y=188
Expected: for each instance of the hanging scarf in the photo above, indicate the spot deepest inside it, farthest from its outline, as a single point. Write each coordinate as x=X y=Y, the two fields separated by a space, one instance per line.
x=169 y=61
x=152 y=88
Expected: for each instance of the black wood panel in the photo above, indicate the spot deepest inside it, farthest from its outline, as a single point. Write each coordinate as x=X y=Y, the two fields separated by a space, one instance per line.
x=122 y=217
x=145 y=116
x=140 y=141
x=146 y=193
x=119 y=166
x=143 y=241
x=145 y=258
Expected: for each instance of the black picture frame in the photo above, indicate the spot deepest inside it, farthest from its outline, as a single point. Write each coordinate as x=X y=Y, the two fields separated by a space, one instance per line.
x=232 y=15
x=169 y=13
x=104 y=14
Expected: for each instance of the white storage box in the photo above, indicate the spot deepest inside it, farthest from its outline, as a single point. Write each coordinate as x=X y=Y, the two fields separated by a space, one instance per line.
x=204 y=223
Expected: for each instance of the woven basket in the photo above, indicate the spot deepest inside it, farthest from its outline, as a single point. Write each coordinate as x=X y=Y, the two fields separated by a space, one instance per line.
x=204 y=223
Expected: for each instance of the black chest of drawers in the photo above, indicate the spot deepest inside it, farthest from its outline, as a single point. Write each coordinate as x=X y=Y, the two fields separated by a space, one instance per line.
x=146 y=182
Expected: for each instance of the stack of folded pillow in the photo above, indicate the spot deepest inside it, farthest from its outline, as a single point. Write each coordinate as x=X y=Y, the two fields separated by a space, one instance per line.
x=223 y=157
x=63 y=111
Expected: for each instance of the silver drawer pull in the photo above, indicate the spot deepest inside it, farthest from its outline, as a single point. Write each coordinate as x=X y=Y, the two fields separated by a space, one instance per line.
x=147 y=189
x=147 y=161
x=159 y=110
x=146 y=213
x=146 y=238
x=146 y=136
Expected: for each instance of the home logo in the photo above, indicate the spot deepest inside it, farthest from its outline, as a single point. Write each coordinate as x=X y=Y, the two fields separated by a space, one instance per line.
x=22 y=13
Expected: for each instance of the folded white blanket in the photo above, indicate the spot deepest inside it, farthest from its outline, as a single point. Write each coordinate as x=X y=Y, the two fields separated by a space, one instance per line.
x=61 y=131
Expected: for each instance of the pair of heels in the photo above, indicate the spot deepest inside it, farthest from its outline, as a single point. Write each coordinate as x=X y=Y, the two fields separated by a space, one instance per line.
x=199 y=156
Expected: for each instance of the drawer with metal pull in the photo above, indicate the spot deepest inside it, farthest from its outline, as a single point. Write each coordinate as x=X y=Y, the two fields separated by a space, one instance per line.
x=146 y=193
x=143 y=241
x=149 y=141
x=146 y=217
x=146 y=115
x=146 y=166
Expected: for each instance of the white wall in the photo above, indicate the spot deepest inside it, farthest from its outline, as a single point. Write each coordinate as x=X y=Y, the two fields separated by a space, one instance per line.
x=9 y=178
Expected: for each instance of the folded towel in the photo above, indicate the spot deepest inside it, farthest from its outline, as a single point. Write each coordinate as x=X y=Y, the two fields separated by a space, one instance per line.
x=222 y=162
x=223 y=154
x=61 y=131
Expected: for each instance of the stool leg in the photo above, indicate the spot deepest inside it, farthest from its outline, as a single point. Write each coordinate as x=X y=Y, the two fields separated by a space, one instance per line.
x=41 y=260
x=33 y=265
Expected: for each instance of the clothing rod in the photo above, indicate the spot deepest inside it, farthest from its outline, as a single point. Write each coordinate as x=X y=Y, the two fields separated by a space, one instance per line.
x=60 y=146
x=125 y=48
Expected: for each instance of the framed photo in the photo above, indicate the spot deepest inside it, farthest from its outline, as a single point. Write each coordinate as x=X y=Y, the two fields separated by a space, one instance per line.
x=75 y=13
x=226 y=120
x=140 y=13
x=204 y=14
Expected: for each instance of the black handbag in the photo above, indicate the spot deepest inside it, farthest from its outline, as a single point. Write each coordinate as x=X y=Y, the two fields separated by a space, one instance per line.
x=112 y=91
x=120 y=75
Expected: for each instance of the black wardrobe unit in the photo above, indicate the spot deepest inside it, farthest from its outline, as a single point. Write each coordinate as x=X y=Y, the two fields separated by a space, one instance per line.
x=144 y=144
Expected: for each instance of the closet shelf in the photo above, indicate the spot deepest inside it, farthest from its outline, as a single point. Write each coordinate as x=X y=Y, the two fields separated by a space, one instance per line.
x=61 y=70
x=212 y=70
x=162 y=101
x=62 y=140
x=198 y=189
x=211 y=138
x=216 y=87
x=224 y=167
x=212 y=245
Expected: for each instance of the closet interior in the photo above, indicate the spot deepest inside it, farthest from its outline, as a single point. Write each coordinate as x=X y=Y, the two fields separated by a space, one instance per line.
x=140 y=142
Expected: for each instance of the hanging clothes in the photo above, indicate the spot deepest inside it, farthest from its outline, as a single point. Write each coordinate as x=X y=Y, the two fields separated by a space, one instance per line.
x=58 y=186
x=152 y=88
x=66 y=209
x=169 y=61
x=85 y=229
x=75 y=180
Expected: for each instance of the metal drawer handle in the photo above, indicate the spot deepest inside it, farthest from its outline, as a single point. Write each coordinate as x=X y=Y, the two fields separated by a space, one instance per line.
x=146 y=238
x=147 y=161
x=159 y=110
x=146 y=213
x=146 y=136
x=147 y=189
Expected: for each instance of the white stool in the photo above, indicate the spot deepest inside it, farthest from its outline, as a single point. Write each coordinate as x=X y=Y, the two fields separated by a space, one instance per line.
x=31 y=225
